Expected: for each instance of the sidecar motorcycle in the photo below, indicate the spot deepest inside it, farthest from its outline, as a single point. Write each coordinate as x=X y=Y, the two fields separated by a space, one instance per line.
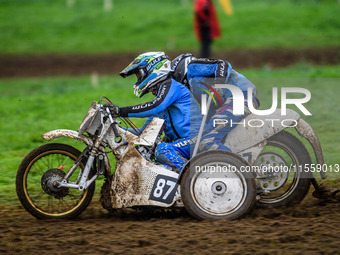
x=58 y=181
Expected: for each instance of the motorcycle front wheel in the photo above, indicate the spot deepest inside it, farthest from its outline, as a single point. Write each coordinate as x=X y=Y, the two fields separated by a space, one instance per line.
x=214 y=187
x=37 y=175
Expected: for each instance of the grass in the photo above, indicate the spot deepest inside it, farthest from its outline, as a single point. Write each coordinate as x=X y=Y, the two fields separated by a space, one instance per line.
x=41 y=26
x=31 y=107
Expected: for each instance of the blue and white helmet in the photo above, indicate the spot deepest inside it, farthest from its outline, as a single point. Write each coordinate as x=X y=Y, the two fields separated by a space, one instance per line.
x=150 y=69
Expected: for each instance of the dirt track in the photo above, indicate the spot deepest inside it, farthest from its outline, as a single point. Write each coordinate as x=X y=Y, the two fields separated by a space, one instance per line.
x=47 y=65
x=307 y=228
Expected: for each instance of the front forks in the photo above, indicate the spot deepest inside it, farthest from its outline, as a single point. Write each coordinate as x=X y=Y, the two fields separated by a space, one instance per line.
x=82 y=181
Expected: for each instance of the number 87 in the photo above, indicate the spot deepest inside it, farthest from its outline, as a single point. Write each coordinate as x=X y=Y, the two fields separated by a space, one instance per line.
x=160 y=188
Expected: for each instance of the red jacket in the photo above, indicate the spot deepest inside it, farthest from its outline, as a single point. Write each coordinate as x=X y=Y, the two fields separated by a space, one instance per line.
x=205 y=14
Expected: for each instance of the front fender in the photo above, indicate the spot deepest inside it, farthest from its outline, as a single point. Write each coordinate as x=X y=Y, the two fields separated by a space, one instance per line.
x=306 y=131
x=75 y=135
x=254 y=129
x=67 y=133
x=244 y=138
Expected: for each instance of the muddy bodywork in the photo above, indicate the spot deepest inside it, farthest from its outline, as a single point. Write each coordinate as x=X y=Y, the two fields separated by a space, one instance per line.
x=133 y=180
x=249 y=141
x=134 y=177
x=67 y=133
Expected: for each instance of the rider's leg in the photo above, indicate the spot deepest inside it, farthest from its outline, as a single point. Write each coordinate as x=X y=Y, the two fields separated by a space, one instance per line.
x=220 y=125
x=175 y=154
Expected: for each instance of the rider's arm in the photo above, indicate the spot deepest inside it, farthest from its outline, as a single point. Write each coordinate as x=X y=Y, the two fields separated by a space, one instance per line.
x=204 y=68
x=166 y=96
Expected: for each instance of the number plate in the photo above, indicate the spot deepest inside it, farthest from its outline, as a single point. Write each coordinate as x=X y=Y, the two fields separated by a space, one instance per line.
x=164 y=189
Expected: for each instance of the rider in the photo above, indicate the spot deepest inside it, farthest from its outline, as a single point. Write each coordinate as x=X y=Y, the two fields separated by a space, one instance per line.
x=200 y=75
x=172 y=103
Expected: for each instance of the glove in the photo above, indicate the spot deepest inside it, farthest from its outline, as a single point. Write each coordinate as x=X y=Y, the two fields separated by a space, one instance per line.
x=114 y=110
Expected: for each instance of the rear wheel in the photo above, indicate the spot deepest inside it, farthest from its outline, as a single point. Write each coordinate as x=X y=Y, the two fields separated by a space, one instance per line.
x=38 y=175
x=215 y=188
x=289 y=185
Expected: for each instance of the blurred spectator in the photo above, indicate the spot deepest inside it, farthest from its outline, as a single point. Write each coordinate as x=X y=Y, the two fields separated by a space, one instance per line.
x=206 y=25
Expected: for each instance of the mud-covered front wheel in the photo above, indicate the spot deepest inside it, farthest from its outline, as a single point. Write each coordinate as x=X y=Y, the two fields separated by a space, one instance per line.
x=37 y=183
x=214 y=187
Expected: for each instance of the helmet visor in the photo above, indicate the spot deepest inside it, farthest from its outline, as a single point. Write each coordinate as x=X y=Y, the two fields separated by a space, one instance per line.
x=140 y=75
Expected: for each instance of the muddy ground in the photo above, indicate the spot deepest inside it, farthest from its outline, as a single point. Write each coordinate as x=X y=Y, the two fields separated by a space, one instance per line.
x=52 y=65
x=311 y=227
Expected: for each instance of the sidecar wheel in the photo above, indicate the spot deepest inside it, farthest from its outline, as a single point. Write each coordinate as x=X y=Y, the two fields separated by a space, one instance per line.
x=284 y=148
x=214 y=187
x=35 y=179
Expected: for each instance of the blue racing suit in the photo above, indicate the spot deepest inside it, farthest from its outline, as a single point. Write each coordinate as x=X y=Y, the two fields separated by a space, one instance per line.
x=202 y=74
x=174 y=104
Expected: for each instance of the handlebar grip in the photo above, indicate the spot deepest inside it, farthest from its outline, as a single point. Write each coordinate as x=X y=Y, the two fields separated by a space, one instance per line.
x=118 y=138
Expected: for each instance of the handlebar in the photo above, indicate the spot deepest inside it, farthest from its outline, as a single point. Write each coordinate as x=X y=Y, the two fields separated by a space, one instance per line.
x=118 y=138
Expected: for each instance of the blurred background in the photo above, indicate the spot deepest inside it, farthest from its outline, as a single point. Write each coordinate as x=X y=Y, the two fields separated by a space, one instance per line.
x=41 y=37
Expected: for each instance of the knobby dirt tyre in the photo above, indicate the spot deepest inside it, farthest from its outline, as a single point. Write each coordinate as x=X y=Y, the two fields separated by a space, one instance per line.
x=43 y=164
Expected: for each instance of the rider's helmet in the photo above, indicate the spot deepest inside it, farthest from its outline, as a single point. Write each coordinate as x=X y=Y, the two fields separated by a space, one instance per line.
x=150 y=69
x=179 y=67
